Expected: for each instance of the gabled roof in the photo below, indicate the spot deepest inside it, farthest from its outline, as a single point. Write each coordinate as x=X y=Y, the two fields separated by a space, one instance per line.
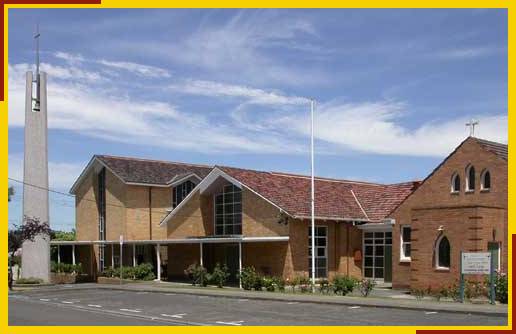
x=501 y=150
x=132 y=170
x=145 y=171
x=334 y=199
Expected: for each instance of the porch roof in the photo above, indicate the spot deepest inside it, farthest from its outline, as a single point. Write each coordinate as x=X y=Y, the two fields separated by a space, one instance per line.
x=196 y=240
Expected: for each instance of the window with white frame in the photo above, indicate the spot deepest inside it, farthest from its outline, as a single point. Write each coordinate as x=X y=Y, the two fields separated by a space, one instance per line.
x=455 y=183
x=470 y=178
x=442 y=253
x=181 y=191
x=228 y=211
x=485 y=180
x=321 y=251
x=405 y=243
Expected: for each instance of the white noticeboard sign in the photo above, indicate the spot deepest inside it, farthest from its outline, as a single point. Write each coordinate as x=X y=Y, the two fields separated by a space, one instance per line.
x=121 y=240
x=476 y=263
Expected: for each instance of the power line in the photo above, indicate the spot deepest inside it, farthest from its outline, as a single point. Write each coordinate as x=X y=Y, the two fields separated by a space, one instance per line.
x=145 y=210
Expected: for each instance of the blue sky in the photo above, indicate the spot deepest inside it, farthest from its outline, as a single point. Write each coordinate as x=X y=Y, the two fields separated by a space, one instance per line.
x=394 y=89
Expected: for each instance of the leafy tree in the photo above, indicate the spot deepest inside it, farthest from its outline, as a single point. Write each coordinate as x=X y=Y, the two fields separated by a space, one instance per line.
x=28 y=231
x=63 y=235
x=10 y=193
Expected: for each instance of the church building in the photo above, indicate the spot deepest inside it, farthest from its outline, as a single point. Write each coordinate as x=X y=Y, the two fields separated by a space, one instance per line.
x=175 y=214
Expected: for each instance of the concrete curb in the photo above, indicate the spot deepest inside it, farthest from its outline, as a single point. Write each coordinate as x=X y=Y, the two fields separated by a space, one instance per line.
x=498 y=311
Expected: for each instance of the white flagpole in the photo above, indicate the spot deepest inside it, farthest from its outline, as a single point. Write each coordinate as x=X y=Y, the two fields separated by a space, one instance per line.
x=312 y=196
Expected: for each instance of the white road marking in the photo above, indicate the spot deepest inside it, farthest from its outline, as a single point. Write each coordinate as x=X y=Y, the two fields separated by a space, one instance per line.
x=231 y=323
x=170 y=294
x=66 y=302
x=243 y=300
x=44 y=299
x=292 y=303
x=142 y=293
x=94 y=305
x=353 y=307
x=430 y=312
x=203 y=296
x=178 y=316
x=129 y=310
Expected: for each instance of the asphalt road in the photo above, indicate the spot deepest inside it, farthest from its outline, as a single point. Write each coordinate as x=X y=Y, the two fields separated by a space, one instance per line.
x=98 y=307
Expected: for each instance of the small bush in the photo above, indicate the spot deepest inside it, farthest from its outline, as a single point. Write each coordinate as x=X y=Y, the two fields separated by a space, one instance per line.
x=324 y=286
x=65 y=268
x=143 y=272
x=305 y=284
x=342 y=285
x=258 y=283
x=501 y=289
x=197 y=274
x=279 y=283
x=475 y=289
x=29 y=280
x=220 y=275
x=366 y=286
x=248 y=276
x=268 y=283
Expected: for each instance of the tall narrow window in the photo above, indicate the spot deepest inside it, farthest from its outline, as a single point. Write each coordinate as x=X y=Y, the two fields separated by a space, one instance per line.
x=405 y=243
x=470 y=178
x=442 y=253
x=228 y=211
x=181 y=191
x=101 y=207
x=455 y=183
x=485 y=180
x=321 y=254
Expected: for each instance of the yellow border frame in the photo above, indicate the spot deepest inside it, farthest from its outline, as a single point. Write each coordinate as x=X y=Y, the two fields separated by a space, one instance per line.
x=256 y=4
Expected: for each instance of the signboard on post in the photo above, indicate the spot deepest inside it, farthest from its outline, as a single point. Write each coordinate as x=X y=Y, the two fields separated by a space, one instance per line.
x=476 y=263
x=121 y=256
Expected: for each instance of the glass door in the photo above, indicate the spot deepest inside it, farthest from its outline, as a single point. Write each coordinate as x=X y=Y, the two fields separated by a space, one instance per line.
x=377 y=250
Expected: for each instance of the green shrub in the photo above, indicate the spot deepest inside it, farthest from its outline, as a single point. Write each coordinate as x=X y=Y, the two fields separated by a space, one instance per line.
x=475 y=289
x=268 y=283
x=220 y=275
x=143 y=272
x=248 y=277
x=501 y=289
x=342 y=285
x=366 y=286
x=65 y=268
x=305 y=283
x=324 y=286
x=197 y=274
x=29 y=280
x=258 y=283
x=279 y=283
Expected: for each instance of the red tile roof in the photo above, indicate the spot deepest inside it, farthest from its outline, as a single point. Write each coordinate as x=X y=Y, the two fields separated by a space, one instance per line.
x=334 y=199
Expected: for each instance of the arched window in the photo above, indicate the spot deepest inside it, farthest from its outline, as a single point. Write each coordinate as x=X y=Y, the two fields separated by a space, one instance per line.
x=470 y=178
x=442 y=253
x=485 y=180
x=455 y=183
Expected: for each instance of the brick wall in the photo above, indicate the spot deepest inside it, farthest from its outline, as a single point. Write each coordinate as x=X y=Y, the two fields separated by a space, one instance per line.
x=433 y=204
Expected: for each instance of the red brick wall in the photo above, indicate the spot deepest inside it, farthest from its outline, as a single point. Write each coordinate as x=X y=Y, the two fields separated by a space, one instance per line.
x=433 y=204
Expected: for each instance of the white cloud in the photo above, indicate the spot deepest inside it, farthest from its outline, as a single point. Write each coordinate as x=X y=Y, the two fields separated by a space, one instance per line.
x=375 y=127
x=143 y=70
x=251 y=95
x=139 y=69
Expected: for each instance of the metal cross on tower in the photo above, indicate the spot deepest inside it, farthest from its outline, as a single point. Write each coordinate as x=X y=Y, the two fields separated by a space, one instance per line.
x=471 y=124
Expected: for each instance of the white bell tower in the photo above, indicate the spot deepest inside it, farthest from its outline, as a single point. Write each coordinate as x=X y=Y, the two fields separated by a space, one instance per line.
x=36 y=254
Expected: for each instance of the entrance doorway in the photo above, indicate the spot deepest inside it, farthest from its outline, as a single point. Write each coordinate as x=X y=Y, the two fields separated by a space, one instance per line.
x=378 y=256
x=223 y=254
